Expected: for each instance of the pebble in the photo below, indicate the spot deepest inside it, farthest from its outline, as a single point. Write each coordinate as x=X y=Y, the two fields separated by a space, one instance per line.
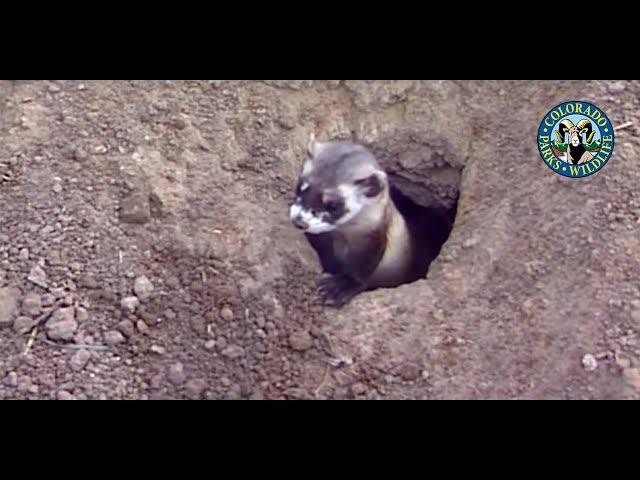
x=194 y=388
x=143 y=288
x=233 y=351
x=62 y=325
x=210 y=344
x=410 y=372
x=11 y=380
x=157 y=349
x=113 y=337
x=589 y=362
x=126 y=328
x=64 y=395
x=24 y=254
x=300 y=341
x=23 y=324
x=32 y=304
x=80 y=155
x=57 y=186
x=226 y=314
x=142 y=327
x=38 y=276
x=176 y=374
x=47 y=300
x=130 y=303
x=79 y=359
x=81 y=314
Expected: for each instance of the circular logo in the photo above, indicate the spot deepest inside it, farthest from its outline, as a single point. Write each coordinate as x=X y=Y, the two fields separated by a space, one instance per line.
x=575 y=139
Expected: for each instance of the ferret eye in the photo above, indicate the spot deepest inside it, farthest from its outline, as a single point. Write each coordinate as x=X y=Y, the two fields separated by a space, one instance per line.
x=332 y=206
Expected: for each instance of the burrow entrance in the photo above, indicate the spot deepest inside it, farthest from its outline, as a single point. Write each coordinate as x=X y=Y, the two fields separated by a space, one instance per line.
x=425 y=174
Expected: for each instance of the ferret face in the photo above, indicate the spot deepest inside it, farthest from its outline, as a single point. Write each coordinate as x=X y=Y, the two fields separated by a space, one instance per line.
x=338 y=182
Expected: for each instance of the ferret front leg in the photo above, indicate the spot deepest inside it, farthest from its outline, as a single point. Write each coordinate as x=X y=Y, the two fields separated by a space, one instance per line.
x=338 y=290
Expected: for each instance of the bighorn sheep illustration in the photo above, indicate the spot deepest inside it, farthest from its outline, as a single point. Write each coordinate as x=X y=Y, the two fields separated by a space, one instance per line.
x=576 y=151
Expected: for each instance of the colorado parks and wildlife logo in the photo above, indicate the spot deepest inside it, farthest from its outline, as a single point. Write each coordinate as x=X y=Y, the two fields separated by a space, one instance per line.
x=575 y=139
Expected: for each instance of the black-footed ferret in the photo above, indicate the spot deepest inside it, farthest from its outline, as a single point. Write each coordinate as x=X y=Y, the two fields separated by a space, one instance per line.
x=343 y=203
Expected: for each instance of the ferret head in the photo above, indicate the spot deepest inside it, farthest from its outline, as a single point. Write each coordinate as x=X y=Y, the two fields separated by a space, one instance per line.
x=340 y=183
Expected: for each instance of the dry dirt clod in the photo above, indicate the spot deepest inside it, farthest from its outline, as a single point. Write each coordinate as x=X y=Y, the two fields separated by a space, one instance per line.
x=62 y=325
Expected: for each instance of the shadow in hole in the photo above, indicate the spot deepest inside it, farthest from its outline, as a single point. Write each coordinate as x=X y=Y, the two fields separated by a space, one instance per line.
x=430 y=227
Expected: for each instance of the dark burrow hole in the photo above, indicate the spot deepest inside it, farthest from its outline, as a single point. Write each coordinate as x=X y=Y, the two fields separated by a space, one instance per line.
x=425 y=173
x=431 y=225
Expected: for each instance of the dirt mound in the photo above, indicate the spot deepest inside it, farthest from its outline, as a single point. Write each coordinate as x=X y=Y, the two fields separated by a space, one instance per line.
x=146 y=250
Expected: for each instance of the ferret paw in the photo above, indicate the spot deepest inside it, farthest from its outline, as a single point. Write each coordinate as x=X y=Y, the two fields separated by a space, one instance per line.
x=338 y=290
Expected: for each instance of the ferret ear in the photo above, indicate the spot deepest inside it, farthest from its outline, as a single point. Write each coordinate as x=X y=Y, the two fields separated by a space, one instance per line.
x=373 y=184
x=314 y=147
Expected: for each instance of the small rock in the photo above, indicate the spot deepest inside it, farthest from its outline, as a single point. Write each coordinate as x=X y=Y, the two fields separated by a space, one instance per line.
x=38 y=276
x=469 y=242
x=32 y=304
x=22 y=325
x=53 y=88
x=210 y=344
x=24 y=254
x=589 y=362
x=79 y=359
x=81 y=314
x=194 y=388
x=135 y=209
x=142 y=327
x=62 y=325
x=113 y=337
x=88 y=282
x=24 y=383
x=300 y=341
x=157 y=349
x=64 y=395
x=178 y=123
x=142 y=287
x=58 y=292
x=226 y=314
x=8 y=304
x=198 y=325
x=80 y=155
x=176 y=374
x=11 y=380
x=48 y=300
x=126 y=328
x=635 y=315
x=57 y=186
x=130 y=303
x=410 y=372
x=100 y=150
x=233 y=351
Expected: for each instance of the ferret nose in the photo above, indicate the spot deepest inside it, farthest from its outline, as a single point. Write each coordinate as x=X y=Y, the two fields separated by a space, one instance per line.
x=301 y=224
